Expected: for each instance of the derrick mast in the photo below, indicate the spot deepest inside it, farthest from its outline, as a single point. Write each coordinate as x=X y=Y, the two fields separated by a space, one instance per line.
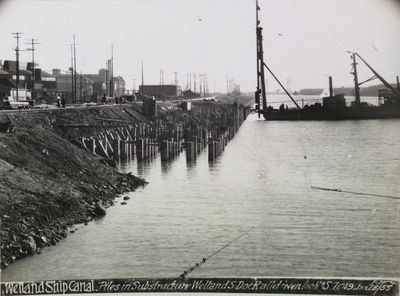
x=260 y=92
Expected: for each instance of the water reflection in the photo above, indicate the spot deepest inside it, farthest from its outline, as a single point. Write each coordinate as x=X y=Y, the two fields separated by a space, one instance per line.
x=165 y=166
x=190 y=164
x=143 y=167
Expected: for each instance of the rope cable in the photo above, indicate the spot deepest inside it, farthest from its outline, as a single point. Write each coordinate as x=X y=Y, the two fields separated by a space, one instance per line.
x=354 y=192
x=204 y=259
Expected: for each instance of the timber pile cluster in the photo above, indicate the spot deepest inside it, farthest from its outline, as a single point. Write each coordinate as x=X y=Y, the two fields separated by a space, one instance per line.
x=58 y=168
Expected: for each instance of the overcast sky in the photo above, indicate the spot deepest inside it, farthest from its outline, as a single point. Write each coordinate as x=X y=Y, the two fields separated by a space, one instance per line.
x=304 y=40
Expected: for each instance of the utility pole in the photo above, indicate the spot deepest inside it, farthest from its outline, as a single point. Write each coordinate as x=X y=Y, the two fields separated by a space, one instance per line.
x=161 y=74
x=206 y=82
x=17 y=35
x=142 y=78
x=106 y=81
x=227 y=85
x=80 y=87
x=200 y=85
x=112 y=71
x=356 y=85
x=32 y=43
x=194 y=82
x=74 y=71
x=161 y=82
x=204 y=85
x=176 y=78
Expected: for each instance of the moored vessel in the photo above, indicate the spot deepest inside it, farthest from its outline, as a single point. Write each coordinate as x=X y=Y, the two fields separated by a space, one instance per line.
x=334 y=107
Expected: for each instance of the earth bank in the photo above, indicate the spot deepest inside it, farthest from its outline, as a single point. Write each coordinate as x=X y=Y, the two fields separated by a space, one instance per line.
x=47 y=185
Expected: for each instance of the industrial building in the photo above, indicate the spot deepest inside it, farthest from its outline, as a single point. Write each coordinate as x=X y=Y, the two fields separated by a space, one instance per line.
x=84 y=87
x=103 y=82
x=43 y=85
x=39 y=82
x=165 y=91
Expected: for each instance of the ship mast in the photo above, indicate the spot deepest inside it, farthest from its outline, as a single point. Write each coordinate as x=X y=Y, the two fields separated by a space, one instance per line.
x=356 y=84
x=260 y=92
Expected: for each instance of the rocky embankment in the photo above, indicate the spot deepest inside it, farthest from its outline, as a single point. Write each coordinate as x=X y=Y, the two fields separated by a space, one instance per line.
x=47 y=185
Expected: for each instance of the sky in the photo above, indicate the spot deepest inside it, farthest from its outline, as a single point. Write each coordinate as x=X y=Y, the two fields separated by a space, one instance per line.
x=305 y=41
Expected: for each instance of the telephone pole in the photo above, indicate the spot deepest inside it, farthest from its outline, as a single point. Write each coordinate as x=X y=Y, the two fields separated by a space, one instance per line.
x=72 y=73
x=200 y=84
x=142 y=79
x=17 y=35
x=74 y=70
x=227 y=85
x=32 y=43
x=107 y=74
x=80 y=87
x=112 y=71
x=161 y=82
x=206 y=82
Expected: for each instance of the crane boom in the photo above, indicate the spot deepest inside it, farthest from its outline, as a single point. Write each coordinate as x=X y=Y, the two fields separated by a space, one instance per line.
x=378 y=76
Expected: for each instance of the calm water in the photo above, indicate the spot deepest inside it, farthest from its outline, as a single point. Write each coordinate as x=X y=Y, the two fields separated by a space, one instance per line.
x=259 y=185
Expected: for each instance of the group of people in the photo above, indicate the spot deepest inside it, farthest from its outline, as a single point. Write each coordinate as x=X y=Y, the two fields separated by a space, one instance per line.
x=111 y=100
x=60 y=101
x=118 y=99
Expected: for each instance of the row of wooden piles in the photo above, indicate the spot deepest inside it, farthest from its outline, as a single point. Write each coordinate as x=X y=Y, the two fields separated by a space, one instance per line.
x=169 y=135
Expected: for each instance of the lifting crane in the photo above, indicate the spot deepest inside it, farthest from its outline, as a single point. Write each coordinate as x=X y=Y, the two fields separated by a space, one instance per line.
x=395 y=92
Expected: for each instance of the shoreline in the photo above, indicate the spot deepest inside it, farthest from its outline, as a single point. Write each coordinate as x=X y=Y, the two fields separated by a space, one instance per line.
x=39 y=203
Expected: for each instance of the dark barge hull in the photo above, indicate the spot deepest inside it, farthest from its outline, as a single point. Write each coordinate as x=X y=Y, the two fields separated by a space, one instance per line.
x=347 y=114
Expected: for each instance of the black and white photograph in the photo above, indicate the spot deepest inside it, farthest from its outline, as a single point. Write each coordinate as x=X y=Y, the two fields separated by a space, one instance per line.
x=200 y=146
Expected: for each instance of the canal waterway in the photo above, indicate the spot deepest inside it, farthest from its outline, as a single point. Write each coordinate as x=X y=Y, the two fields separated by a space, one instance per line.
x=260 y=187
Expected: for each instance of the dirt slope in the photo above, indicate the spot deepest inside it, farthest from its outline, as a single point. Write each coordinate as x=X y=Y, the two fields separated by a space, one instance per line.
x=47 y=184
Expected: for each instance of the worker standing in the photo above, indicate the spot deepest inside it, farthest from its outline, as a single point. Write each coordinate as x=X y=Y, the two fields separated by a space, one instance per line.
x=58 y=100
x=62 y=101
